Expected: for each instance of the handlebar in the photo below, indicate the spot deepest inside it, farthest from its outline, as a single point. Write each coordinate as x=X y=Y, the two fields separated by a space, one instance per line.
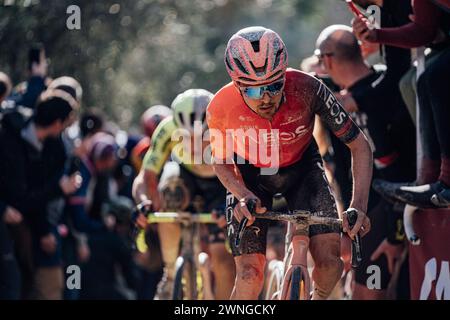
x=304 y=218
x=138 y=234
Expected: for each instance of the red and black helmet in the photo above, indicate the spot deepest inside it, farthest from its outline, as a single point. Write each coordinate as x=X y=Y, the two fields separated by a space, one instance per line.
x=256 y=55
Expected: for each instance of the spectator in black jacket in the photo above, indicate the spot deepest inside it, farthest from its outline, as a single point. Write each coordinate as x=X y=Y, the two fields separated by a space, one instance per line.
x=111 y=256
x=37 y=82
x=377 y=117
x=9 y=270
x=31 y=170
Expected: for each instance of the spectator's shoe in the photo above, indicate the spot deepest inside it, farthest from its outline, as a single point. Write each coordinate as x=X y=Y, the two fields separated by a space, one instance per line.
x=420 y=196
x=387 y=189
x=441 y=199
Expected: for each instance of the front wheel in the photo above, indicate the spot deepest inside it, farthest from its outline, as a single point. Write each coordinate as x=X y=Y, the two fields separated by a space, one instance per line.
x=185 y=287
x=299 y=290
x=273 y=289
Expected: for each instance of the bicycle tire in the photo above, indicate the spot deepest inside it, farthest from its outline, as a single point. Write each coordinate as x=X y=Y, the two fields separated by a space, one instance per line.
x=185 y=286
x=273 y=289
x=296 y=280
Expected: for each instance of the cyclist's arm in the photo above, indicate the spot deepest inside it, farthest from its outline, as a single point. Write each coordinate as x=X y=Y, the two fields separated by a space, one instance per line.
x=361 y=171
x=145 y=186
x=322 y=137
x=224 y=166
x=231 y=178
x=339 y=122
x=222 y=158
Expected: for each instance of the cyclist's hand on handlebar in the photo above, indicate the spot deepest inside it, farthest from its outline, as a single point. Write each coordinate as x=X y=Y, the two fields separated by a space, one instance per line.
x=142 y=208
x=241 y=210
x=362 y=224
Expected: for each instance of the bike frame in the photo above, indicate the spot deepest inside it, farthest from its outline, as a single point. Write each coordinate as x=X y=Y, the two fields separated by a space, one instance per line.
x=296 y=248
x=190 y=249
x=295 y=260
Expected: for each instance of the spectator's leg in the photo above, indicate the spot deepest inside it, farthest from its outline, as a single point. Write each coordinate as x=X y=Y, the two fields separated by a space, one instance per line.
x=408 y=91
x=438 y=79
x=24 y=254
x=9 y=269
x=429 y=171
x=48 y=283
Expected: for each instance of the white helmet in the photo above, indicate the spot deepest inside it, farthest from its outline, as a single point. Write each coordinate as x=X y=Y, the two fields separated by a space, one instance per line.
x=190 y=106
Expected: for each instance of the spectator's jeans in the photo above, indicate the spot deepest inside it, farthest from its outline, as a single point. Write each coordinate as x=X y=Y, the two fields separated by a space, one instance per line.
x=434 y=98
x=48 y=276
x=48 y=283
x=9 y=269
x=24 y=254
x=408 y=85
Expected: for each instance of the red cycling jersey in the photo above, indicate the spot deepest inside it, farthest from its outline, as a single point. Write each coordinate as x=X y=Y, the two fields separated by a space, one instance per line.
x=235 y=128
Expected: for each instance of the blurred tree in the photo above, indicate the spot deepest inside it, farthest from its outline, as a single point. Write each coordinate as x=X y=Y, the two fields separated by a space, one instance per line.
x=132 y=54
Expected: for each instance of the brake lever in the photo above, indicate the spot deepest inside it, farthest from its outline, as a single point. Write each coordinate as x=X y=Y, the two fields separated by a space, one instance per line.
x=251 y=205
x=352 y=215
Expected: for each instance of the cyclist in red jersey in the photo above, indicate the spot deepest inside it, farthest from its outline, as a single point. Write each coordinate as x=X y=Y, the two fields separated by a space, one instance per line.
x=260 y=128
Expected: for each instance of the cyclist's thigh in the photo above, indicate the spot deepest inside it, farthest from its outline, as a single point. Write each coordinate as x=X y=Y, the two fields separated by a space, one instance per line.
x=255 y=236
x=313 y=193
x=189 y=181
x=213 y=194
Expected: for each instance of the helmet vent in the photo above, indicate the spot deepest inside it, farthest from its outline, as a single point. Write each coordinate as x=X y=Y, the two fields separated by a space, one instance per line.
x=203 y=117
x=277 y=58
x=228 y=63
x=180 y=118
x=192 y=118
x=255 y=45
x=240 y=66
x=260 y=69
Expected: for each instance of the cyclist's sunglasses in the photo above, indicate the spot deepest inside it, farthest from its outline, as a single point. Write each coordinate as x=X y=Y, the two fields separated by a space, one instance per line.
x=256 y=93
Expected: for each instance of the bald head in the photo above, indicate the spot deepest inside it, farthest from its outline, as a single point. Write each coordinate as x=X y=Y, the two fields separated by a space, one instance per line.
x=341 y=42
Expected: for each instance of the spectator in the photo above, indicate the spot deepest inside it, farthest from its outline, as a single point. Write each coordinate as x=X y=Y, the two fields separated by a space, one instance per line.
x=430 y=23
x=30 y=178
x=343 y=61
x=95 y=168
x=111 y=251
x=9 y=269
x=37 y=82
x=394 y=13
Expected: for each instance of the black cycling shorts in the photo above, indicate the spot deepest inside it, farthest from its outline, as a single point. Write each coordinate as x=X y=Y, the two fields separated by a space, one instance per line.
x=304 y=186
x=212 y=192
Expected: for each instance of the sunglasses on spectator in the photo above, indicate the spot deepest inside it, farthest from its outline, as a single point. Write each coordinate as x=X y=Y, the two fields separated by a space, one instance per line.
x=257 y=93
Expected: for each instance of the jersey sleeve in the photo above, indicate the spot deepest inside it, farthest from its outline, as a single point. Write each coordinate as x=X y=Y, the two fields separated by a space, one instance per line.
x=220 y=140
x=161 y=146
x=331 y=112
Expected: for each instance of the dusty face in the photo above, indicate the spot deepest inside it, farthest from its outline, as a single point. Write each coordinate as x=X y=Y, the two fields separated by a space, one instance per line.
x=267 y=105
